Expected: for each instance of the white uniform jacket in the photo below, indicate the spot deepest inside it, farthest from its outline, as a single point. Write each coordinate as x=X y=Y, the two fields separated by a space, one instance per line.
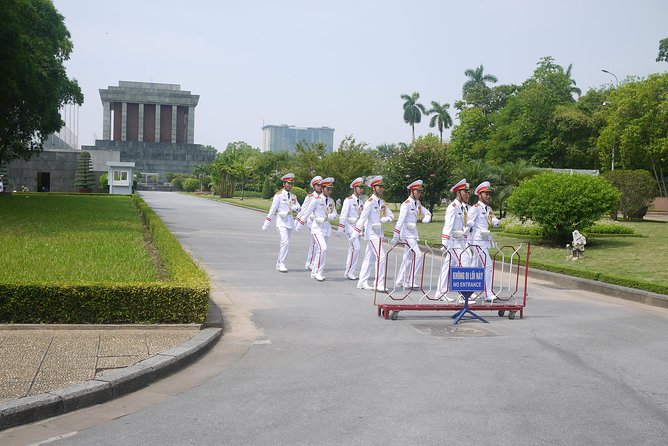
x=373 y=214
x=350 y=213
x=480 y=217
x=283 y=205
x=323 y=210
x=454 y=229
x=308 y=198
x=410 y=212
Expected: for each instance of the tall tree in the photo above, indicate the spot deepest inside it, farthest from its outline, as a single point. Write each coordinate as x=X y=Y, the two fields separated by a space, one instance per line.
x=425 y=159
x=351 y=160
x=663 y=50
x=523 y=126
x=440 y=118
x=477 y=79
x=34 y=43
x=413 y=110
x=636 y=129
x=574 y=89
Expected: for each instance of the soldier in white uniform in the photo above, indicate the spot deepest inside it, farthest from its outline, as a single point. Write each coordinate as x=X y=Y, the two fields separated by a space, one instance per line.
x=317 y=190
x=284 y=204
x=410 y=213
x=373 y=214
x=454 y=236
x=324 y=211
x=480 y=217
x=350 y=213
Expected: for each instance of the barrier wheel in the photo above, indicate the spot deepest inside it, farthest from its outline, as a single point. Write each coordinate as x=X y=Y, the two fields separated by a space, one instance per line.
x=502 y=313
x=394 y=315
x=511 y=314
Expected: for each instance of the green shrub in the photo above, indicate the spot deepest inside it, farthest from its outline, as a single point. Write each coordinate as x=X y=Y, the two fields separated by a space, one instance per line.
x=299 y=192
x=609 y=229
x=103 y=182
x=561 y=203
x=637 y=188
x=248 y=194
x=268 y=189
x=190 y=184
x=84 y=177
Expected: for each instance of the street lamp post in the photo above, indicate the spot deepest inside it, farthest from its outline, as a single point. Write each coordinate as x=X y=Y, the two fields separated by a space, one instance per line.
x=613 y=75
x=612 y=164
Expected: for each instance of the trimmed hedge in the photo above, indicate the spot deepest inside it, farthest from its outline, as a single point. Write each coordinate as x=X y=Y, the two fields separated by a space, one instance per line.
x=601 y=277
x=181 y=298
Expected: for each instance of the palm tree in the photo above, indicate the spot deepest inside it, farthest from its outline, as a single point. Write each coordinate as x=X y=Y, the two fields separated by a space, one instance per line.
x=413 y=110
x=441 y=117
x=477 y=80
x=574 y=89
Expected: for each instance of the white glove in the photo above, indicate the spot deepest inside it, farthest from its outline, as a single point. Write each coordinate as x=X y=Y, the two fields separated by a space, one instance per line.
x=264 y=227
x=339 y=232
x=298 y=227
x=496 y=222
x=296 y=208
x=394 y=241
x=354 y=235
x=426 y=219
x=332 y=216
x=385 y=219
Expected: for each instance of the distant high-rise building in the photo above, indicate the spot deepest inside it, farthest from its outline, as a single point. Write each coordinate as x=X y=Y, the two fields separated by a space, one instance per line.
x=283 y=138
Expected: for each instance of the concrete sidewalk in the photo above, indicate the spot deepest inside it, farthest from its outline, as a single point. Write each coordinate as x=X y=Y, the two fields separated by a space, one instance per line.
x=50 y=370
x=35 y=359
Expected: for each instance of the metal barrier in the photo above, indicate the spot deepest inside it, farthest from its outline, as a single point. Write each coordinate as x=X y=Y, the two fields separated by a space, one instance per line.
x=427 y=289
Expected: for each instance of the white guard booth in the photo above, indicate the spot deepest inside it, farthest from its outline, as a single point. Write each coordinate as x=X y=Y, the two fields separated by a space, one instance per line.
x=120 y=177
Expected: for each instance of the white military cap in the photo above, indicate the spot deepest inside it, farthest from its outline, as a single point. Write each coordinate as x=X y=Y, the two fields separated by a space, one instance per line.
x=315 y=180
x=461 y=185
x=327 y=182
x=288 y=177
x=416 y=185
x=482 y=187
x=359 y=181
x=376 y=181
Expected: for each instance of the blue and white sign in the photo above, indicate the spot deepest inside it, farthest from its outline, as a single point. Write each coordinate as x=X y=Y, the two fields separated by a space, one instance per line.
x=467 y=279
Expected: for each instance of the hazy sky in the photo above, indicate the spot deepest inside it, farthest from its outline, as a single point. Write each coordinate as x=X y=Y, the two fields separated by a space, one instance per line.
x=344 y=63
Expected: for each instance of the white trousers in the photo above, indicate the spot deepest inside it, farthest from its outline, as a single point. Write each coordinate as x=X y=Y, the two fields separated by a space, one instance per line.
x=411 y=263
x=482 y=259
x=320 y=253
x=311 y=252
x=459 y=256
x=284 y=247
x=353 y=255
x=374 y=260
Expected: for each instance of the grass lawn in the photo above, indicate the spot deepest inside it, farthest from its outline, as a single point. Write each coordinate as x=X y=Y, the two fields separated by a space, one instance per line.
x=50 y=238
x=641 y=262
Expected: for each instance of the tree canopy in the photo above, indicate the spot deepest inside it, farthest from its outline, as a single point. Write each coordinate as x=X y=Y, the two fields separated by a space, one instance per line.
x=34 y=43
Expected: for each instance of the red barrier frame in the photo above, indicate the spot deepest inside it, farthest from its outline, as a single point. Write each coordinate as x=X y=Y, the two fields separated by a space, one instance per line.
x=390 y=310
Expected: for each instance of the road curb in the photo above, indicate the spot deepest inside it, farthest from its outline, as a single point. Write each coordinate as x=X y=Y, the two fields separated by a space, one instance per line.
x=114 y=384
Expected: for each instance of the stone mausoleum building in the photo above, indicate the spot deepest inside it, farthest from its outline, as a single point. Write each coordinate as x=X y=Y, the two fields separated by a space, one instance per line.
x=149 y=124
x=152 y=125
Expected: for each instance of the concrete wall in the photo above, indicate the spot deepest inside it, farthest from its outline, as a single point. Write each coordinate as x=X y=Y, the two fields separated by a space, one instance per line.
x=152 y=157
x=59 y=166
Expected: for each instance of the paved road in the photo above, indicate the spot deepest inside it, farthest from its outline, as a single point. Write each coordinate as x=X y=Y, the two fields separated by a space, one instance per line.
x=309 y=363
